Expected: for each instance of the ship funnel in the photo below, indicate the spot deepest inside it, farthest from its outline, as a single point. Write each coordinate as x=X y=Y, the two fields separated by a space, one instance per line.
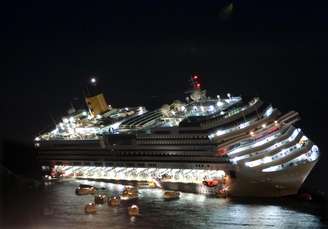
x=97 y=104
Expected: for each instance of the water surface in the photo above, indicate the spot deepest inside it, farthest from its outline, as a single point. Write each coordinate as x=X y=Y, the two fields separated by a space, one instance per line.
x=58 y=207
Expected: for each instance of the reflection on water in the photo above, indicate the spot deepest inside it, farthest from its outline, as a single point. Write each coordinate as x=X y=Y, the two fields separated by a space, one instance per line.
x=61 y=208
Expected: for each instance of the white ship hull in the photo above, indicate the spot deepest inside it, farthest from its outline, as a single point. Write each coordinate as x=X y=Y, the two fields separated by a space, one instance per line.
x=274 y=184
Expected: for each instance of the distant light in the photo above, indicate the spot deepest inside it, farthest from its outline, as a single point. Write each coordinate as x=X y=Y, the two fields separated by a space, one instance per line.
x=198 y=85
x=263 y=125
x=65 y=120
x=84 y=113
x=251 y=133
x=93 y=80
x=195 y=77
x=37 y=139
x=229 y=95
x=71 y=119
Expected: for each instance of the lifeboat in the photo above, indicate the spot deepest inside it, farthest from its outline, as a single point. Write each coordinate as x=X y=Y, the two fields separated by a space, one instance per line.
x=212 y=182
x=85 y=190
x=166 y=177
x=114 y=201
x=129 y=193
x=100 y=199
x=90 y=208
x=133 y=210
x=151 y=184
x=147 y=184
x=171 y=195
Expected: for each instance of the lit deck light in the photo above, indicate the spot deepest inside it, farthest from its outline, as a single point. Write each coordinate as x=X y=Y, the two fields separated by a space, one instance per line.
x=84 y=113
x=219 y=103
x=267 y=160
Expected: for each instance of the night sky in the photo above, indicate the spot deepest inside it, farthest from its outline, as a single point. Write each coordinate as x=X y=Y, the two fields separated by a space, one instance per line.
x=143 y=53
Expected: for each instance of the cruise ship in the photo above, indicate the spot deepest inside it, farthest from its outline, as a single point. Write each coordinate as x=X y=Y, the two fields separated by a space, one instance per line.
x=220 y=145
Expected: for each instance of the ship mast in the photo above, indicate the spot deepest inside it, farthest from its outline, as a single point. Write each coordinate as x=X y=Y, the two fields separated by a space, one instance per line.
x=197 y=94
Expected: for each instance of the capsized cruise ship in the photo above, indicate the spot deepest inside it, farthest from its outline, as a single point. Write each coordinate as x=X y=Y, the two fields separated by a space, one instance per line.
x=218 y=145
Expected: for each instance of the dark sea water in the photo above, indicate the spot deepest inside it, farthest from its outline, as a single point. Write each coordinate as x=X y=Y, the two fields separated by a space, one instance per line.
x=57 y=206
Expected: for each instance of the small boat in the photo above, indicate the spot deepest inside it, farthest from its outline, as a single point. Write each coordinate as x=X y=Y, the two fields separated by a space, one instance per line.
x=171 y=195
x=100 y=199
x=133 y=210
x=129 y=193
x=151 y=184
x=90 y=208
x=212 y=182
x=85 y=190
x=146 y=184
x=114 y=201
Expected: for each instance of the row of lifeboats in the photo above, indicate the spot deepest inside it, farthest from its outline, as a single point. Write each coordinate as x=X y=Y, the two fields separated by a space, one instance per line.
x=91 y=208
x=129 y=193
